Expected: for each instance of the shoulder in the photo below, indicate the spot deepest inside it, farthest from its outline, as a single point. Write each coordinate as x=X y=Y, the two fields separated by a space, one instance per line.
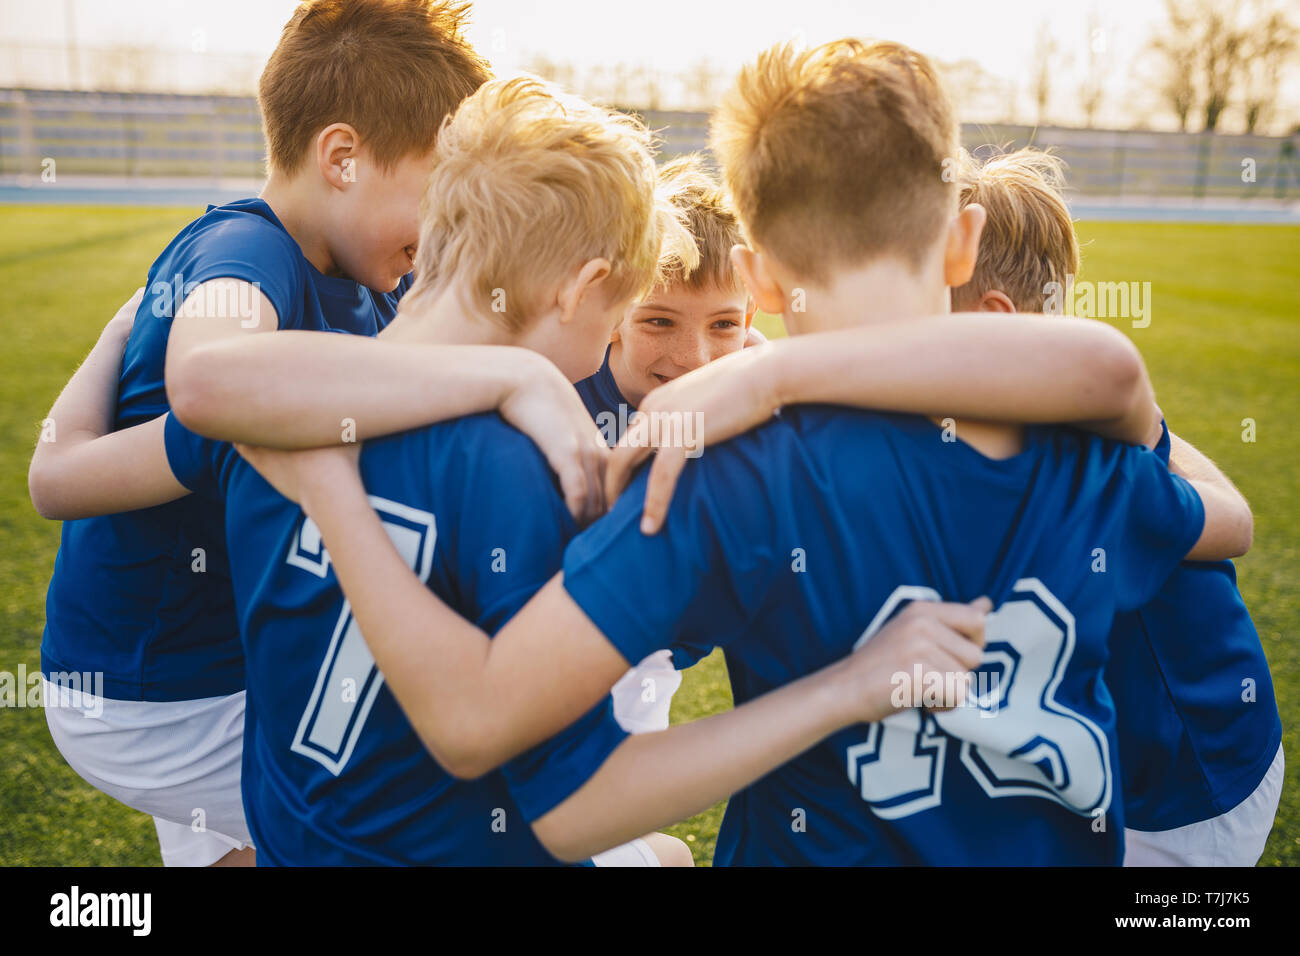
x=241 y=240
x=1094 y=455
x=804 y=433
x=482 y=448
x=245 y=221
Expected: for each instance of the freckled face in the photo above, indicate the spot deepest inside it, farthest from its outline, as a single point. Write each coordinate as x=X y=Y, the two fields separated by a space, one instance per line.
x=675 y=331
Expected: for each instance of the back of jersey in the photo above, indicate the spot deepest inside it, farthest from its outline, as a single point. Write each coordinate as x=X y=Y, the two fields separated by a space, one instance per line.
x=792 y=545
x=334 y=773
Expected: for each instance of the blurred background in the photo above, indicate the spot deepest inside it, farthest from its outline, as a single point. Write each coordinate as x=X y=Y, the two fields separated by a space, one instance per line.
x=1168 y=100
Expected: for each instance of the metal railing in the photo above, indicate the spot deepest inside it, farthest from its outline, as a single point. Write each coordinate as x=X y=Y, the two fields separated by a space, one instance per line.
x=141 y=135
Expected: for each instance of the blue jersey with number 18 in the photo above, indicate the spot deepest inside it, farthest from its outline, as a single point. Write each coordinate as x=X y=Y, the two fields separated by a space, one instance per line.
x=790 y=545
x=333 y=771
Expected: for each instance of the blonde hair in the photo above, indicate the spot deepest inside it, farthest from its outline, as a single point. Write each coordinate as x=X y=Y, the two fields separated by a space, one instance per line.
x=528 y=183
x=688 y=185
x=1028 y=239
x=837 y=154
x=391 y=69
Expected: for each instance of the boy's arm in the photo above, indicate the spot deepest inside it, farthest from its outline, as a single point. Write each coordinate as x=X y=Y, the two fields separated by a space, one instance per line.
x=655 y=779
x=477 y=702
x=1229 y=525
x=1012 y=368
x=300 y=389
x=80 y=466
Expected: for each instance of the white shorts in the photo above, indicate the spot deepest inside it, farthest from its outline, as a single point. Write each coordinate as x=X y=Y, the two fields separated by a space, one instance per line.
x=636 y=853
x=644 y=695
x=178 y=761
x=1235 y=838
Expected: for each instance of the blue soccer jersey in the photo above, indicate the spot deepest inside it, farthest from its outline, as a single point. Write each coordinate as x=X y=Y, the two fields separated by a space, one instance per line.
x=334 y=773
x=611 y=413
x=790 y=544
x=144 y=597
x=605 y=402
x=1198 y=723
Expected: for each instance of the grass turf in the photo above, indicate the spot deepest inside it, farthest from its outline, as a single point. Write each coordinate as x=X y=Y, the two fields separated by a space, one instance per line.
x=1222 y=346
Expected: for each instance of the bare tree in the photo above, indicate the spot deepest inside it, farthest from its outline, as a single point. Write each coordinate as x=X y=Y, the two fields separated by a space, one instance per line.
x=700 y=81
x=1204 y=50
x=1221 y=58
x=1177 y=50
x=1045 y=50
x=1091 y=91
x=1271 y=42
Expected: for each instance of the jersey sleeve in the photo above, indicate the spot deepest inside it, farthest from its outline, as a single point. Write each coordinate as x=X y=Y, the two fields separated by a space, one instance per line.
x=200 y=464
x=690 y=586
x=255 y=251
x=510 y=540
x=1164 y=520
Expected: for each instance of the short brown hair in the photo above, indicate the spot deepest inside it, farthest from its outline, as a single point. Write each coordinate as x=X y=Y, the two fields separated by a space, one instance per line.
x=709 y=216
x=529 y=182
x=392 y=69
x=837 y=154
x=1028 y=239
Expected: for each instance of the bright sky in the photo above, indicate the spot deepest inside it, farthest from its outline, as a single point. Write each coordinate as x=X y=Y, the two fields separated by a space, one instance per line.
x=671 y=35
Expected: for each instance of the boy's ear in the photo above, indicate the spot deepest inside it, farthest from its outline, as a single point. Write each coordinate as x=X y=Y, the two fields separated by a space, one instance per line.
x=579 y=284
x=337 y=150
x=995 y=300
x=751 y=307
x=963 y=245
x=763 y=288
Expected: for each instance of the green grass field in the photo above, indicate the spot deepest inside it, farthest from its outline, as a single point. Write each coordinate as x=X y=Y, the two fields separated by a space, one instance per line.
x=1223 y=346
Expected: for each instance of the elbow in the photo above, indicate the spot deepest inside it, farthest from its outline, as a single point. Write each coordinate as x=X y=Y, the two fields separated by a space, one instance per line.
x=466 y=761
x=1123 y=374
x=1239 y=531
x=1244 y=535
x=43 y=489
x=193 y=387
x=40 y=491
x=559 y=841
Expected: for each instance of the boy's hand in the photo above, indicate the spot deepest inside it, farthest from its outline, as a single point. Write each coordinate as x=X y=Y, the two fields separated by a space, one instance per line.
x=299 y=474
x=945 y=639
x=546 y=408
x=120 y=325
x=728 y=396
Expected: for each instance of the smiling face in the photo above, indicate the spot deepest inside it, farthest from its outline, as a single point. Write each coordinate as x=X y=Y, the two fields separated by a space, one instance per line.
x=674 y=331
x=377 y=222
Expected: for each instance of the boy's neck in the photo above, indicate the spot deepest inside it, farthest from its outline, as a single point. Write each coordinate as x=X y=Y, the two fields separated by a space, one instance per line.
x=630 y=395
x=881 y=291
x=289 y=199
x=443 y=318
x=886 y=291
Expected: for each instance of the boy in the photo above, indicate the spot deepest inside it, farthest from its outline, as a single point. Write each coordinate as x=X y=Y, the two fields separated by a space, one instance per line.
x=690 y=318
x=335 y=773
x=327 y=246
x=786 y=543
x=326 y=732
x=1202 y=757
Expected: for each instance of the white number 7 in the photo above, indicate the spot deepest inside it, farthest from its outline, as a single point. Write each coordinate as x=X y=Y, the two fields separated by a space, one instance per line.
x=348 y=680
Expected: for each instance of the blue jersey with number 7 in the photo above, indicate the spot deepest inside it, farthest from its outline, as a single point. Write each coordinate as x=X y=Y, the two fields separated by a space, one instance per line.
x=791 y=545
x=333 y=772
